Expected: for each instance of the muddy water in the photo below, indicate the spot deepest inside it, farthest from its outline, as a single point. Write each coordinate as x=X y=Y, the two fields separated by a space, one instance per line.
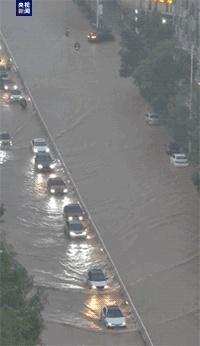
x=146 y=210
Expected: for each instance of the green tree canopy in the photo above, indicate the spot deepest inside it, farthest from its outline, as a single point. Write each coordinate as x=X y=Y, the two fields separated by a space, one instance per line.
x=21 y=304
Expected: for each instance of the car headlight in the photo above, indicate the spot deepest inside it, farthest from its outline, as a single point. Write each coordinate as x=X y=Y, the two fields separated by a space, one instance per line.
x=40 y=166
x=123 y=323
x=70 y=218
x=35 y=150
x=88 y=36
x=15 y=87
x=93 y=286
x=52 y=165
x=5 y=87
x=106 y=286
x=10 y=142
x=0 y=142
x=65 y=190
x=80 y=218
x=47 y=150
x=52 y=191
x=109 y=324
x=84 y=233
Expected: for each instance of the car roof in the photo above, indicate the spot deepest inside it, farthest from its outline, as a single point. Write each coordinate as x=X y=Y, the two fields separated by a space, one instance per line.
x=73 y=206
x=95 y=270
x=4 y=134
x=112 y=307
x=43 y=155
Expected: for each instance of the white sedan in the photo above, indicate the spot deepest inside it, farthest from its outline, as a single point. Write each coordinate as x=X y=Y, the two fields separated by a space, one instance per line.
x=179 y=160
x=39 y=145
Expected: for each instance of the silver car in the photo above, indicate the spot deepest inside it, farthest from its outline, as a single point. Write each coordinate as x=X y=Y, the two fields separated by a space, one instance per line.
x=113 y=317
x=56 y=186
x=15 y=96
x=97 y=279
x=75 y=229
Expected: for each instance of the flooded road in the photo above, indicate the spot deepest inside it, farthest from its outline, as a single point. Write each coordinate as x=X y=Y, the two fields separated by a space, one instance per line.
x=146 y=210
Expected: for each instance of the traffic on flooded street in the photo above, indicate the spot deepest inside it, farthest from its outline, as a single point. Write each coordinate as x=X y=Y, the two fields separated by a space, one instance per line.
x=100 y=206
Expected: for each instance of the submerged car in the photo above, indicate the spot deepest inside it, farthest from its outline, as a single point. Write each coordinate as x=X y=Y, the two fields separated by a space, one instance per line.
x=44 y=162
x=179 y=160
x=152 y=118
x=100 y=35
x=39 y=145
x=56 y=186
x=75 y=229
x=73 y=212
x=172 y=148
x=113 y=317
x=15 y=96
x=5 y=139
x=97 y=279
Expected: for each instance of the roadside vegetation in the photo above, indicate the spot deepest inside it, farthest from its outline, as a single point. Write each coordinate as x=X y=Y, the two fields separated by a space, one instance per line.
x=151 y=56
x=21 y=303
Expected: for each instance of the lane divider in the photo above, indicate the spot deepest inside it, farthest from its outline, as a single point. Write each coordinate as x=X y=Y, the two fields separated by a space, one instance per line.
x=141 y=327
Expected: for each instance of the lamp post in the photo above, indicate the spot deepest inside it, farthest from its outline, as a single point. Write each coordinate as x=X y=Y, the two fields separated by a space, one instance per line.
x=191 y=96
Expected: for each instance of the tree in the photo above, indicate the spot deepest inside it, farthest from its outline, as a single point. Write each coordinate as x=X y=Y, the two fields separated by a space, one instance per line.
x=21 y=304
x=140 y=38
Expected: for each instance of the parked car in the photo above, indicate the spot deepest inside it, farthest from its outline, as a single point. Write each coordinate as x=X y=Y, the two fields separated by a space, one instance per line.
x=75 y=229
x=44 y=162
x=113 y=317
x=73 y=212
x=100 y=35
x=39 y=145
x=97 y=279
x=15 y=96
x=179 y=160
x=5 y=139
x=152 y=118
x=56 y=186
x=172 y=148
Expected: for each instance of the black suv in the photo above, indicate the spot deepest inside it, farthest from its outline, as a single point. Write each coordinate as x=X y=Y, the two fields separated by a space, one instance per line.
x=73 y=212
x=44 y=162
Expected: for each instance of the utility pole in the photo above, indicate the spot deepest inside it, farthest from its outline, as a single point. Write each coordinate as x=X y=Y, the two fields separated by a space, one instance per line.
x=97 y=19
x=99 y=11
x=191 y=96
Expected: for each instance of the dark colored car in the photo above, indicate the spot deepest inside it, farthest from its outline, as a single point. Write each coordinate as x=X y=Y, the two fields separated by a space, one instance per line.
x=9 y=85
x=75 y=229
x=5 y=139
x=172 y=148
x=73 y=212
x=56 y=186
x=44 y=162
x=97 y=279
x=101 y=35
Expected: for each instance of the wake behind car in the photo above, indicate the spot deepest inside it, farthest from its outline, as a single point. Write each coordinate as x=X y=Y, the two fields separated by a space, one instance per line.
x=113 y=317
x=44 y=162
x=179 y=160
x=15 y=96
x=75 y=229
x=73 y=212
x=152 y=118
x=39 y=145
x=56 y=186
x=100 y=35
x=97 y=279
x=5 y=139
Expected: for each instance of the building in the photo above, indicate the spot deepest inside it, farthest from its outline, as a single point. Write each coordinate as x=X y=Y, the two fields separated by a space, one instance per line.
x=163 y=6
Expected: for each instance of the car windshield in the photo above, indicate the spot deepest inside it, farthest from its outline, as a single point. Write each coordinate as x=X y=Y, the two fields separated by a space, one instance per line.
x=114 y=312
x=180 y=157
x=4 y=136
x=155 y=116
x=76 y=226
x=56 y=182
x=98 y=276
x=40 y=144
x=74 y=210
x=43 y=158
x=15 y=92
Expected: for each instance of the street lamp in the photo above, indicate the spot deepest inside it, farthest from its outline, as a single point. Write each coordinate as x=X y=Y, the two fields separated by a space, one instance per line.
x=191 y=96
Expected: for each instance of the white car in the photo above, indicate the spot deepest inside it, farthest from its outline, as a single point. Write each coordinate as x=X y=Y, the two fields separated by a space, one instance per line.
x=97 y=279
x=15 y=96
x=179 y=160
x=113 y=317
x=5 y=139
x=39 y=145
x=152 y=118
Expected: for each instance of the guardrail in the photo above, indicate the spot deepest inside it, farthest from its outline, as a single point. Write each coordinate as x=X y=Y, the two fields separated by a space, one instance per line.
x=141 y=327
